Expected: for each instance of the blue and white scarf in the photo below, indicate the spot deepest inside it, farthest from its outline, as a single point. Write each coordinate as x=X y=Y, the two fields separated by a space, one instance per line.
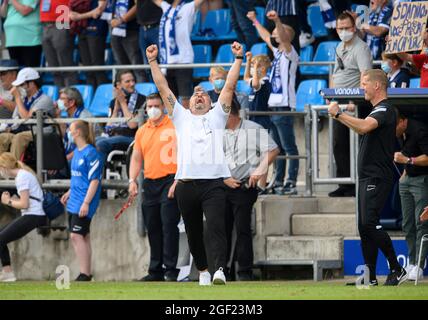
x=275 y=75
x=28 y=103
x=120 y=8
x=131 y=107
x=327 y=14
x=173 y=48
x=108 y=11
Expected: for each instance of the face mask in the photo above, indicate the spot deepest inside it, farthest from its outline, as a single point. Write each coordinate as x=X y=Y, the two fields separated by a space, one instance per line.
x=346 y=35
x=274 y=43
x=4 y=174
x=385 y=67
x=154 y=113
x=70 y=137
x=219 y=84
x=61 y=105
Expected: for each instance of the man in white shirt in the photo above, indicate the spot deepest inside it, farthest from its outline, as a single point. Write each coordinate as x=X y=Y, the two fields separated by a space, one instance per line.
x=201 y=165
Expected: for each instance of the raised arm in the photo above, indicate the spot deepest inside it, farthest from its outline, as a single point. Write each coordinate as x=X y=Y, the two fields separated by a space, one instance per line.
x=226 y=94
x=247 y=73
x=167 y=96
x=263 y=33
x=283 y=34
x=360 y=126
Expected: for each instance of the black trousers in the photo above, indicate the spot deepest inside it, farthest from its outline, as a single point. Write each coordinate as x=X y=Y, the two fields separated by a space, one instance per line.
x=372 y=195
x=341 y=151
x=198 y=198
x=26 y=56
x=239 y=206
x=161 y=217
x=16 y=230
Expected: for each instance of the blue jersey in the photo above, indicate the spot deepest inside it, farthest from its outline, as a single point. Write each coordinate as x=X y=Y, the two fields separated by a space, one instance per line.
x=86 y=166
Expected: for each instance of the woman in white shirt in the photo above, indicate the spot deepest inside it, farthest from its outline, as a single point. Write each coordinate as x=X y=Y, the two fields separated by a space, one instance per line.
x=32 y=217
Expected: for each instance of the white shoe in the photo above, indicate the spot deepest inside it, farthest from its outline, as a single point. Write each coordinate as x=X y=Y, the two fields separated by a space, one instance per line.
x=305 y=39
x=219 y=277
x=409 y=268
x=7 y=277
x=416 y=273
x=204 y=278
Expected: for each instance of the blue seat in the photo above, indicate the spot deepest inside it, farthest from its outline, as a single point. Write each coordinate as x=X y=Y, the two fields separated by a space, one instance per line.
x=87 y=92
x=109 y=61
x=316 y=22
x=206 y=85
x=225 y=55
x=203 y=54
x=415 y=83
x=51 y=91
x=243 y=87
x=326 y=51
x=308 y=93
x=306 y=54
x=259 y=48
x=146 y=88
x=217 y=26
x=196 y=24
x=101 y=101
x=261 y=16
x=47 y=77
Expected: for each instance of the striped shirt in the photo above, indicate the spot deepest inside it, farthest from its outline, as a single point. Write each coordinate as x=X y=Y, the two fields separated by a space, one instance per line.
x=282 y=7
x=381 y=18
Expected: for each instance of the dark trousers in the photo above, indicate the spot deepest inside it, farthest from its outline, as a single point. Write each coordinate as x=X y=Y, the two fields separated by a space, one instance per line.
x=161 y=217
x=341 y=151
x=372 y=195
x=91 y=50
x=198 y=198
x=26 y=56
x=180 y=82
x=239 y=206
x=16 y=230
x=243 y=27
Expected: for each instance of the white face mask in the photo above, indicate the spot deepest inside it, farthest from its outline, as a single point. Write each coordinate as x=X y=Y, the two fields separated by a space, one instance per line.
x=346 y=35
x=4 y=174
x=154 y=113
x=252 y=72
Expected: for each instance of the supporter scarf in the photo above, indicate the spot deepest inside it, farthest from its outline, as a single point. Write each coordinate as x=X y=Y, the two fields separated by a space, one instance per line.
x=173 y=48
x=133 y=97
x=108 y=11
x=29 y=102
x=327 y=14
x=121 y=7
x=275 y=76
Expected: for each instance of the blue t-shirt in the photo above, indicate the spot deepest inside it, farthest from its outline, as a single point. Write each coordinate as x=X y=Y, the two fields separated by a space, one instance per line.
x=86 y=166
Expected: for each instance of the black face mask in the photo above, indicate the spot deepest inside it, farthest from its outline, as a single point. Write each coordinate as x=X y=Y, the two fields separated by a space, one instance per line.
x=274 y=43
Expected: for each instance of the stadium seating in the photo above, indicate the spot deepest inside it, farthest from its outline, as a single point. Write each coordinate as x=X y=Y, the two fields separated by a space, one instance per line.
x=306 y=54
x=87 y=92
x=326 y=51
x=217 y=26
x=261 y=16
x=415 y=83
x=51 y=91
x=308 y=93
x=243 y=87
x=46 y=76
x=100 y=104
x=196 y=25
x=203 y=54
x=316 y=22
x=259 y=48
x=146 y=88
x=206 y=85
x=225 y=55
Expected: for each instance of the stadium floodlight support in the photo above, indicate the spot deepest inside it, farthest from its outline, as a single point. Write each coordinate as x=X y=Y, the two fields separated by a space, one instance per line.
x=307 y=125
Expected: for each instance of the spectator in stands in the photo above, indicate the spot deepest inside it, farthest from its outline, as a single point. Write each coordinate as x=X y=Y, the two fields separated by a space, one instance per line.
x=148 y=17
x=83 y=197
x=155 y=145
x=419 y=60
x=282 y=97
x=201 y=165
x=392 y=65
x=125 y=35
x=413 y=188
x=375 y=31
x=57 y=42
x=244 y=29
x=8 y=72
x=249 y=150
x=256 y=77
x=19 y=136
x=217 y=78
x=352 y=58
x=71 y=101
x=23 y=31
x=127 y=102
x=32 y=214
x=175 y=45
x=92 y=33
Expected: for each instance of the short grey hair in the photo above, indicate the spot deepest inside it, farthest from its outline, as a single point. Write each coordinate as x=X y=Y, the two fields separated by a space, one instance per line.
x=73 y=94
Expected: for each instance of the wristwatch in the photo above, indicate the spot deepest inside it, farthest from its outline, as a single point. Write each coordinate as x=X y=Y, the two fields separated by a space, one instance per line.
x=338 y=114
x=131 y=181
x=409 y=161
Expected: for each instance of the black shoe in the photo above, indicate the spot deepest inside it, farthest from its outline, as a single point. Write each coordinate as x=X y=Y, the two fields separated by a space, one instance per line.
x=245 y=276
x=339 y=192
x=396 y=278
x=152 y=277
x=83 y=277
x=360 y=282
x=170 y=276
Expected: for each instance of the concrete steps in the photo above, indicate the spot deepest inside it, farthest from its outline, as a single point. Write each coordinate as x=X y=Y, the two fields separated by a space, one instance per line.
x=323 y=224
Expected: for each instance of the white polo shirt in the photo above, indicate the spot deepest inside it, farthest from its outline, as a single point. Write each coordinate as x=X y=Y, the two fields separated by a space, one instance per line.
x=200 y=143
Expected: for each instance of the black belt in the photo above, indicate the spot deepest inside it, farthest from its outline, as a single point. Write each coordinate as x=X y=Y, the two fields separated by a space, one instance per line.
x=196 y=181
x=149 y=26
x=160 y=179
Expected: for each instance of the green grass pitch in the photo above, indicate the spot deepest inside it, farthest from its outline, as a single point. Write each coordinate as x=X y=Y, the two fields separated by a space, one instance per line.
x=258 y=290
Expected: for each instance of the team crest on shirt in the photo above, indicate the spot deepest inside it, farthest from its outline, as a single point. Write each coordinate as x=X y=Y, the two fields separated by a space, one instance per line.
x=81 y=161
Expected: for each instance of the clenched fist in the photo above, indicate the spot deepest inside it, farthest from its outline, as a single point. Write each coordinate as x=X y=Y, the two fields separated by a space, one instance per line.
x=152 y=52
x=237 y=49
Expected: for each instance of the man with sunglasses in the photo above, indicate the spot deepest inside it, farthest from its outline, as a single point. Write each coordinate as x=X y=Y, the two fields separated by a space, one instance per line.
x=352 y=58
x=201 y=165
